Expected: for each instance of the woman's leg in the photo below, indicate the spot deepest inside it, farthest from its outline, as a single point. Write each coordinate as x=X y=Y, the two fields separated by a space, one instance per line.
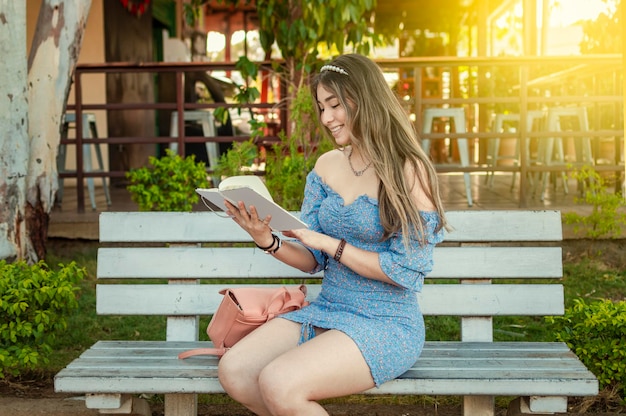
x=239 y=368
x=329 y=365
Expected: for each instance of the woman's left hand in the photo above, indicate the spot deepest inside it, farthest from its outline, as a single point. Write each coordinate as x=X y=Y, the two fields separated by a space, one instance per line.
x=310 y=238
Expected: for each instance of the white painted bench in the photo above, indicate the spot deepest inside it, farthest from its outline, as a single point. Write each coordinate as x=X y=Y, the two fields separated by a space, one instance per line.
x=485 y=248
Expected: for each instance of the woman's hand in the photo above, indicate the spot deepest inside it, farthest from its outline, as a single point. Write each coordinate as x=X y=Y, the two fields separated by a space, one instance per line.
x=258 y=228
x=312 y=239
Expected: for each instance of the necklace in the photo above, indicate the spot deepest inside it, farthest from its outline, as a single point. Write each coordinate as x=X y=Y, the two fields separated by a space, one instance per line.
x=357 y=172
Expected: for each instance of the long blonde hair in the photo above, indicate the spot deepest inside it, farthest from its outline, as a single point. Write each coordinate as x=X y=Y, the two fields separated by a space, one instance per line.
x=383 y=133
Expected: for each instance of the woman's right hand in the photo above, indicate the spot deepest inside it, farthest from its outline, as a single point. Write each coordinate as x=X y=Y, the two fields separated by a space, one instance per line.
x=249 y=220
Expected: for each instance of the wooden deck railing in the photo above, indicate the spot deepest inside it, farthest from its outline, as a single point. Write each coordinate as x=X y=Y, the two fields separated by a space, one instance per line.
x=525 y=84
x=179 y=105
x=482 y=85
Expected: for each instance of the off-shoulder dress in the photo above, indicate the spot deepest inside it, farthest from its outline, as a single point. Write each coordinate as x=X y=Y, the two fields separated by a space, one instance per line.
x=384 y=320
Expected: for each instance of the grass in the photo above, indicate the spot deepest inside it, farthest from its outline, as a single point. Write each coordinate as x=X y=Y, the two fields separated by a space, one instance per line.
x=584 y=277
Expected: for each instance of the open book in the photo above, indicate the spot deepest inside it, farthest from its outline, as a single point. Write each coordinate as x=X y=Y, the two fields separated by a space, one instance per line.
x=252 y=191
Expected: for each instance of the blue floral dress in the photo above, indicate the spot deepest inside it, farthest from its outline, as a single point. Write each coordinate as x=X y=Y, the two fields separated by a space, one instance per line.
x=383 y=320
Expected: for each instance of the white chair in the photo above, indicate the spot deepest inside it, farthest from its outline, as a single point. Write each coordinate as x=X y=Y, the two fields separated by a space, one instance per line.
x=551 y=151
x=206 y=120
x=493 y=152
x=457 y=115
x=90 y=131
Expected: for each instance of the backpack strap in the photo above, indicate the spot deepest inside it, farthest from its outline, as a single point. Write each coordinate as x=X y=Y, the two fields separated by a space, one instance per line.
x=202 y=351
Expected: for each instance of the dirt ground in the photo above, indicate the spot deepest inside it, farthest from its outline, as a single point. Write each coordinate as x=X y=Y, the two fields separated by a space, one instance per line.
x=33 y=398
x=611 y=253
x=39 y=398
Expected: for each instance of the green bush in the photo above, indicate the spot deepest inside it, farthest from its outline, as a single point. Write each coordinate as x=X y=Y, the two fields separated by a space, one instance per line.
x=169 y=184
x=295 y=155
x=605 y=219
x=596 y=332
x=35 y=302
x=290 y=160
x=241 y=154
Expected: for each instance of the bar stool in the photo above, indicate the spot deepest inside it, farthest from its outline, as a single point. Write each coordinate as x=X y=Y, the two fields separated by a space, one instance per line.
x=90 y=131
x=493 y=152
x=551 y=152
x=457 y=115
x=205 y=119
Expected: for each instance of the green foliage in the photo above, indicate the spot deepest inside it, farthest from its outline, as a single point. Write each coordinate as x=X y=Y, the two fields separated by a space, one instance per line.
x=169 y=184
x=241 y=154
x=294 y=156
x=286 y=171
x=604 y=34
x=596 y=332
x=299 y=30
x=306 y=134
x=35 y=302
x=289 y=161
x=191 y=11
x=604 y=219
x=245 y=95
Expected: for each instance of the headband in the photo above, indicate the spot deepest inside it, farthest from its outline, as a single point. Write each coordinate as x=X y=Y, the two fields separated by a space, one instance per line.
x=334 y=69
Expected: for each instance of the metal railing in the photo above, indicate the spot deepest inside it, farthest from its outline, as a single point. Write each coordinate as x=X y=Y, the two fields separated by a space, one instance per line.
x=179 y=105
x=483 y=86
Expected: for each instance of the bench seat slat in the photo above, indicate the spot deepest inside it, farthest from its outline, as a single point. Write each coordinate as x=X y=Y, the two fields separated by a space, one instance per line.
x=469 y=365
x=444 y=349
x=197 y=263
x=461 y=300
x=207 y=226
x=538 y=369
x=454 y=387
x=169 y=369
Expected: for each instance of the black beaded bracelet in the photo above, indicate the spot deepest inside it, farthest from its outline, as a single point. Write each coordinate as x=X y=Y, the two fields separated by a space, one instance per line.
x=279 y=245
x=268 y=247
x=340 y=248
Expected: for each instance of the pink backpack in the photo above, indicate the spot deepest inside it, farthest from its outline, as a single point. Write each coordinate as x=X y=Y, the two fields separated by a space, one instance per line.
x=244 y=309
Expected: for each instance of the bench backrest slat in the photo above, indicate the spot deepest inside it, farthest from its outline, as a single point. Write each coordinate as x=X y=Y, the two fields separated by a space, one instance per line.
x=460 y=300
x=247 y=262
x=505 y=226
x=488 y=226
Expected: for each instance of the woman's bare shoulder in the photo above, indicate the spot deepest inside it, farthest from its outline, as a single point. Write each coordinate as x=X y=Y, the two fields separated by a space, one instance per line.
x=328 y=161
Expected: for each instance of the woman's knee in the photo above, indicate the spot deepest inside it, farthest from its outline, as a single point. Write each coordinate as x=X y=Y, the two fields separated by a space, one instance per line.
x=279 y=394
x=234 y=377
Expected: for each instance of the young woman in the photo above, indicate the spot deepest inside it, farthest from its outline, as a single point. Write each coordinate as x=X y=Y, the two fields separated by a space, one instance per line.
x=374 y=215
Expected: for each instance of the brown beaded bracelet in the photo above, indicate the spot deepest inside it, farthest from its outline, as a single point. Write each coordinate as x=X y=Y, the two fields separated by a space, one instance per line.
x=340 y=248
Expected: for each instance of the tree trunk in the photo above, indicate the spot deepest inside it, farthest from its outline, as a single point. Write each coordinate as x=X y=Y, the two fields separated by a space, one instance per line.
x=56 y=46
x=14 y=146
x=128 y=38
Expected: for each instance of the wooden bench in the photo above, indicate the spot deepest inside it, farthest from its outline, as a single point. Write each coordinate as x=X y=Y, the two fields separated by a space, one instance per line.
x=485 y=248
